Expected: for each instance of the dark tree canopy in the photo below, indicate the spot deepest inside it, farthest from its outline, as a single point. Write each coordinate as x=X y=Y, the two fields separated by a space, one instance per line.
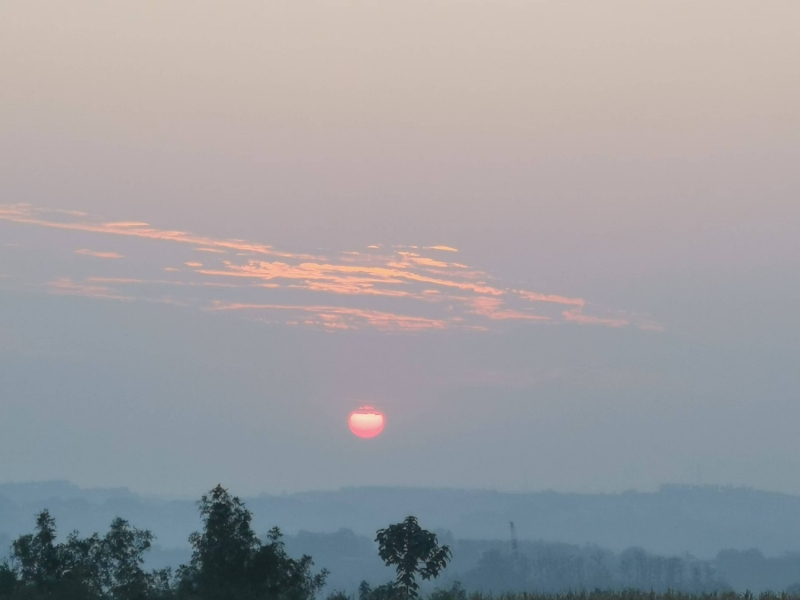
x=228 y=562
x=414 y=551
x=80 y=568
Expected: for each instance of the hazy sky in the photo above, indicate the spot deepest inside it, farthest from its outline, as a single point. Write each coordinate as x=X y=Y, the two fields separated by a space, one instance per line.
x=557 y=243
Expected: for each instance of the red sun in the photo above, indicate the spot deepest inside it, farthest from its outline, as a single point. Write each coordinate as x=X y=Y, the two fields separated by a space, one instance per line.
x=366 y=422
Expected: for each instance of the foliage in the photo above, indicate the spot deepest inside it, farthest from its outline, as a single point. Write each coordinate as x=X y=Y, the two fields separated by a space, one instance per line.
x=108 y=567
x=229 y=561
x=550 y=568
x=414 y=551
x=387 y=591
x=632 y=595
x=455 y=592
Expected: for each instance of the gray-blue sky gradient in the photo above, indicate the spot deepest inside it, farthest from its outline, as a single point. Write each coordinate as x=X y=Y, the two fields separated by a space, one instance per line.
x=632 y=166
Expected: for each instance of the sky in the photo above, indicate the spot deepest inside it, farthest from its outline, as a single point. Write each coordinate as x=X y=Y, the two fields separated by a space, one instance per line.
x=555 y=243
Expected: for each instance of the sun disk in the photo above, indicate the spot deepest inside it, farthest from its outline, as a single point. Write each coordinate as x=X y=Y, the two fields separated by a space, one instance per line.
x=366 y=422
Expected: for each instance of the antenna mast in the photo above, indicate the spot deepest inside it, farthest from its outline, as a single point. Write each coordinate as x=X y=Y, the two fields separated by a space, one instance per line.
x=514 y=541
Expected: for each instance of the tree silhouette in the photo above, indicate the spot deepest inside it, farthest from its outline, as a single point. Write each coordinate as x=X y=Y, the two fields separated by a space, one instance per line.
x=80 y=568
x=121 y=560
x=229 y=561
x=415 y=551
x=222 y=552
x=36 y=554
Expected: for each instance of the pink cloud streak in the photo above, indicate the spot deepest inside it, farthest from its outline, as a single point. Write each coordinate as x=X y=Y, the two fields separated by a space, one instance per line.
x=96 y=254
x=379 y=319
x=405 y=290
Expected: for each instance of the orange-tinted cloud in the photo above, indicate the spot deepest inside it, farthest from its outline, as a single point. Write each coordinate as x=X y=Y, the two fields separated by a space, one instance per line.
x=534 y=297
x=385 y=287
x=28 y=215
x=351 y=289
x=126 y=224
x=128 y=281
x=96 y=254
x=575 y=316
x=310 y=271
x=378 y=319
x=428 y=262
x=67 y=287
x=491 y=309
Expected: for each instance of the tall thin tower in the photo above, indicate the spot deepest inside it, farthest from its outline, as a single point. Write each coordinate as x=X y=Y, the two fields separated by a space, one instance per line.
x=514 y=541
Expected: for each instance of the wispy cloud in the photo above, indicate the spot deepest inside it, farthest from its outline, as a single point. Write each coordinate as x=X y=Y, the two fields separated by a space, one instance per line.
x=575 y=316
x=309 y=271
x=126 y=224
x=158 y=282
x=26 y=214
x=492 y=308
x=67 y=287
x=535 y=297
x=650 y=326
x=389 y=288
x=337 y=317
x=98 y=254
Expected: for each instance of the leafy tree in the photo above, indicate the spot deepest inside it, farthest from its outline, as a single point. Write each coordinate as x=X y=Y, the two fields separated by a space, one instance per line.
x=43 y=567
x=414 y=551
x=382 y=592
x=363 y=590
x=222 y=552
x=276 y=575
x=456 y=592
x=36 y=555
x=91 y=568
x=120 y=558
x=8 y=580
x=229 y=561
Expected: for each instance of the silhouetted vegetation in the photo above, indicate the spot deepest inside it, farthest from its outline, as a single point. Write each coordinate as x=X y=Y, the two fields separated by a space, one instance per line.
x=94 y=567
x=458 y=593
x=413 y=551
x=230 y=562
x=493 y=566
x=556 y=568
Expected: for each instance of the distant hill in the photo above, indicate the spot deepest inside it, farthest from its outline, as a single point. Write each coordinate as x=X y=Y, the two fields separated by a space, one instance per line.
x=673 y=520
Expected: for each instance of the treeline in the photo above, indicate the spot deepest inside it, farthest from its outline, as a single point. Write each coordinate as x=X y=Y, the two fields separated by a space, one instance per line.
x=228 y=562
x=457 y=593
x=554 y=568
x=702 y=520
x=492 y=566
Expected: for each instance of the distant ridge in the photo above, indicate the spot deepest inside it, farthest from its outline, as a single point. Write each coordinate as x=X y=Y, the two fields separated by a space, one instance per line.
x=675 y=519
x=36 y=491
